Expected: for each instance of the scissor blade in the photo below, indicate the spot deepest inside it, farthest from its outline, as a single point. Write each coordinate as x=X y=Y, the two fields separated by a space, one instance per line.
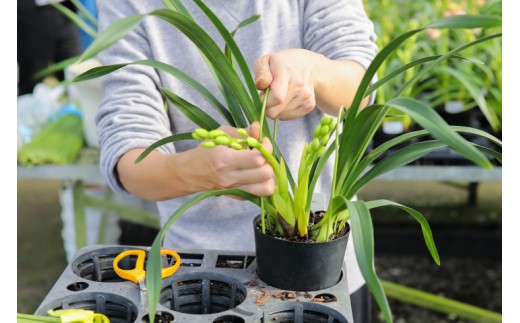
x=142 y=290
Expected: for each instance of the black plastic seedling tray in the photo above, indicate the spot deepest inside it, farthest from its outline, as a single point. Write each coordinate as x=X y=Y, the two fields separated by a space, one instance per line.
x=210 y=286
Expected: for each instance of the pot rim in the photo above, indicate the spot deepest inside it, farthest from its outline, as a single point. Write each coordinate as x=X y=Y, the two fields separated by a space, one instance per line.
x=312 y=242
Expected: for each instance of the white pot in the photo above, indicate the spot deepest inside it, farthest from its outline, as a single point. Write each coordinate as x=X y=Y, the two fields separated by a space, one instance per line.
x=454 y=107
x=393 y=127
x=87 y=96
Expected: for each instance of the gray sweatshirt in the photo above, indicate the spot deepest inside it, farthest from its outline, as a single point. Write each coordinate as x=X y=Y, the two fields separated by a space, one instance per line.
x=132 y=114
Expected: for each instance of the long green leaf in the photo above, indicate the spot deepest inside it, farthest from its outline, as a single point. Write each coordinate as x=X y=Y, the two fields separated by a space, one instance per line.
x=402 y=69
x=154 y=263
x=438 y=128
x=467 y=22
x=425 y=227
x=112 y=34
x=439 y=303
x=476 y=93
x=355 y=140
x=56 y=67
x=381 y=149
x=232 y=103
x=98 y=72
x=83 y=11
x=477 y=132
x=397 y=159
x=175 y=72
x=245 y=22
x=234 y=106
x=237 y=54
x=242 y=24
x=213 y=53
x=357 y=170
x=363 y=236
x=178 y=6
x=491 y=152
x=192 y=112
x=236 y=111
x=164 y=141
x=75 y=18
x=372 y=70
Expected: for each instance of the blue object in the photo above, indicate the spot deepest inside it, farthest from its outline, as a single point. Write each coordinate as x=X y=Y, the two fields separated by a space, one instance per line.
x=86 y=39
x=67 y=109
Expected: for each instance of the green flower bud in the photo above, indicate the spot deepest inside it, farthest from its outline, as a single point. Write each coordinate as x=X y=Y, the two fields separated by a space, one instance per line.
x=315 y=144
x=201 y=134
x=324 y=130
x=317 y=131
x=208 y=144
x=216 y=133
x=252 y=142
x=236 y=146
x=324 y=140
x=321 y=151
x=326 y=120
x=222 y=140
x=332 y=125
x=195 y=136
x=242 y=132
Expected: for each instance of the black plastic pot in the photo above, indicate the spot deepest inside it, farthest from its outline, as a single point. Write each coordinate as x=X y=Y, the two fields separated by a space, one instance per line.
x=298 y=266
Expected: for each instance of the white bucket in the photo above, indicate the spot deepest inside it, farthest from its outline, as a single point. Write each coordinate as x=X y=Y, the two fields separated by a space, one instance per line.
x=87 y=96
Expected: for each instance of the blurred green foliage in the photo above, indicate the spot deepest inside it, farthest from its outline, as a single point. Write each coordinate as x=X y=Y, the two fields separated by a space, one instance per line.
x=476 y=82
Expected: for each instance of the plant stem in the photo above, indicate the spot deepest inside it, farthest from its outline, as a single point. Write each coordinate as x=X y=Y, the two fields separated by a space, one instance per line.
x=275 y=129
x=262 y=114
x=262 y=117
x=326 y=229
x=336 y=158
x=272 y=161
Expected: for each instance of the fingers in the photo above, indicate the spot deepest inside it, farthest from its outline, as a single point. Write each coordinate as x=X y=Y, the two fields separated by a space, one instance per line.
x=247 y=159
x=289 y=75
x=254 y=176
x=262 y=71
x=244 y=169
x=262 y=189
x=254 y=130
x=299 y=102
x=266 y=143
x=279 y=95
x=232 y=131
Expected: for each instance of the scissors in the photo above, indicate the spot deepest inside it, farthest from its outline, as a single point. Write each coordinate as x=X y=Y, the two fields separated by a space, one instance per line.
x=138 y=273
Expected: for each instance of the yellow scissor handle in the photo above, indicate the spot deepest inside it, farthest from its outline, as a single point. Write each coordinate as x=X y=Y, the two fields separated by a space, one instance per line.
x=138 y=272
x=168 y=271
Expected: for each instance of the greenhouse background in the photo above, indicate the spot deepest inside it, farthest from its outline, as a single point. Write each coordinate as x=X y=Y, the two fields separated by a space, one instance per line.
x=59 y=181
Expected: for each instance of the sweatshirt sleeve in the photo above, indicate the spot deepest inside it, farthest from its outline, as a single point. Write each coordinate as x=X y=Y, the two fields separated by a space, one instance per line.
x=340 y=30
x=132 y=113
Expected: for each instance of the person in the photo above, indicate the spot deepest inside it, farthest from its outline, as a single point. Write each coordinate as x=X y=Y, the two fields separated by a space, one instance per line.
x=311 y=54
x=45 y=36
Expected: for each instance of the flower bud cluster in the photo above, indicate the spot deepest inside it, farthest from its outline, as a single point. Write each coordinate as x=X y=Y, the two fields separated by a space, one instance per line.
x=218 y=137
x=322 y=134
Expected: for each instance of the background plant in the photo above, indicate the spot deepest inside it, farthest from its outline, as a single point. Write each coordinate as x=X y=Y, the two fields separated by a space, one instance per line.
x=354 y=166
x=475 y=85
